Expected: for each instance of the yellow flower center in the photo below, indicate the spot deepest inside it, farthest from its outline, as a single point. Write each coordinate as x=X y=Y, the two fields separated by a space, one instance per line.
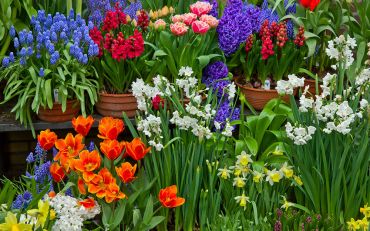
x=275 y=177
x=288 y=173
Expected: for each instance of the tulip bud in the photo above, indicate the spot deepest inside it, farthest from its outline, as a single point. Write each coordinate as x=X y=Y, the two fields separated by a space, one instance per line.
x=165 y=11
x=172 y=10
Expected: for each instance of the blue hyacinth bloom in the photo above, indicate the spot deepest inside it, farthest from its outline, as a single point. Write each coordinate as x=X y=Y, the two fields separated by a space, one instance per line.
x=30 y=158
x=23 y=61
x=16 y=43
x=41 y=72
x=11 y=57
x=91 y=146
x=54 y=58
x=12 y=32
x=5 y=62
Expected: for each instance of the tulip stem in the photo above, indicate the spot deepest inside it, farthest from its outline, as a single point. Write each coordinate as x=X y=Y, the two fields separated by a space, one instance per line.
x=157 y=210
x=112 y=165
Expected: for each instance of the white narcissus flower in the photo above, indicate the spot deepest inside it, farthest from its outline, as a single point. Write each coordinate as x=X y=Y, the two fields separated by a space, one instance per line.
x=242 y=200
x=273 y=176
x=186 y=71
x=286 y=87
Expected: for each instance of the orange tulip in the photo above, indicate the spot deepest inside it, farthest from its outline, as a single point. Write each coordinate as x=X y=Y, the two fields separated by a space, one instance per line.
x=47 y=139
x=99 y=183
x=68 y=149
x=136 y=149
x=113 y=193
x=168 y=197
x=82 y=125
x=88 y=162
x=112 y=149
x=126 y=172
x=104 y=186
x=57 y=172
x=88 y=203
x=110 y=128
x=81 y=186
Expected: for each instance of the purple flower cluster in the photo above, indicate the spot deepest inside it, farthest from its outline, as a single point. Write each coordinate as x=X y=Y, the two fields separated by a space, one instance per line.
x=214 y=11
x=98 y=8
x=133 y=8
x=214 y=76
x=239 y=21
x=234 y=27
x=22 y=200
x=42 y=173
x=226 y=112
x=50 y=35
x=292 y=9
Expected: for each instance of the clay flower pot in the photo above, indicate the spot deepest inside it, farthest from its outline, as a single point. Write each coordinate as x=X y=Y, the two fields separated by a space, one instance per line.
x=258 y=98
x=114 y=104
x=57 y=115
x=312 y=84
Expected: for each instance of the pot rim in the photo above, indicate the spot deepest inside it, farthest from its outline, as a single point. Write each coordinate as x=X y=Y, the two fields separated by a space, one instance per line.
x=115 y=95
x=254 y=89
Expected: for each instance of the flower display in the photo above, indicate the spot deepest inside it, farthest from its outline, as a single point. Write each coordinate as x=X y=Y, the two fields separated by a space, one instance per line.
x=123 y=41
x=249 y=115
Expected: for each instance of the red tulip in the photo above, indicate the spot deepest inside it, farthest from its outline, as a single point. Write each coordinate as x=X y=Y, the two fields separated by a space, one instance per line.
x=311 y=4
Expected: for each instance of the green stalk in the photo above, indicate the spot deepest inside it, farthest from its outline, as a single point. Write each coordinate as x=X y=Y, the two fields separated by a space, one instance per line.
x=69 y=6
x=79 y=7
x=4 y=49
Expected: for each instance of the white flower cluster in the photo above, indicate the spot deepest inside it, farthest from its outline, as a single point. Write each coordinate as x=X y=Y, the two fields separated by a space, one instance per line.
x=363 y=79
x=188 y=85
x=328 y=84
x=231 y=91
x=299 y=134
x=151 y=127
x=142 y=92
x=71 y=215
x=341 y=49
x=286 y=87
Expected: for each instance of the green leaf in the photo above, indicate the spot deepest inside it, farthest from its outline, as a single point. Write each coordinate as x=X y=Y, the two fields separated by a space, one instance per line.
x=251 y=144
x=155 y=221
x=148 y=213
x=48 y=93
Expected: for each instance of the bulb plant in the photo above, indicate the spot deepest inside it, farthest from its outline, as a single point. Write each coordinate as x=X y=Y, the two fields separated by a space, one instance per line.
x=50 y=65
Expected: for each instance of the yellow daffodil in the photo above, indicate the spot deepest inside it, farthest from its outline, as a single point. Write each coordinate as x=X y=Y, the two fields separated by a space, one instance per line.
x=41 y=213
x=273 y=176
x=353 y=225
x=244 y=159
x=257 y=176
x=287 y=170
x=366 y=211
x=239 y=182
x=11 y=224
x=364 y=223
x=224 y=173
x=242 y=200
x=286 y=204
x=298 y=180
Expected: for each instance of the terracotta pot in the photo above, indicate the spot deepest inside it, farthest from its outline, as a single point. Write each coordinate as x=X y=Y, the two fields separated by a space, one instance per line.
x=114 y=104
x=312 y=84
x=57 y=115
x=258 y=98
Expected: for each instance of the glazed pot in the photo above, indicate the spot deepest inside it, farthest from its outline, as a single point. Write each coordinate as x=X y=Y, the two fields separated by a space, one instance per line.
x=257 y=97
x=57 y=115
x=312 y=84
x=114 y=104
